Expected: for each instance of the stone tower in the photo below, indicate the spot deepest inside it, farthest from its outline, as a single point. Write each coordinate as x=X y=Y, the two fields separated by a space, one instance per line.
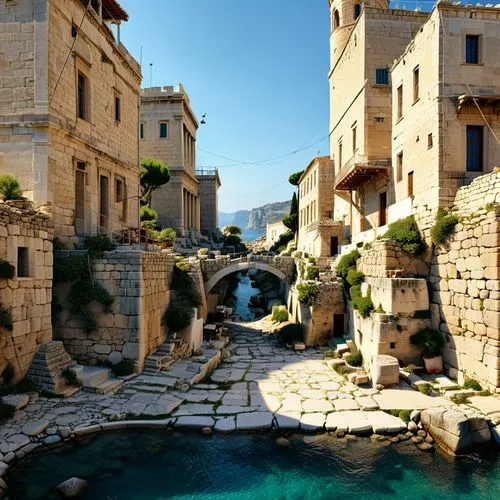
x=343 y=15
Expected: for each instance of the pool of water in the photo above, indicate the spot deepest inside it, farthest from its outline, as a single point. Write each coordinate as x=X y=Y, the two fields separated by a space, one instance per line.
x=149 y=464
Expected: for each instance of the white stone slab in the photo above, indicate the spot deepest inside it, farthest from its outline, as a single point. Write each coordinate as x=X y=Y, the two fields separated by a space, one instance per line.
x=345 y=404
x=357 y=422
x=383 y=423
x=194 y=422
x=312 y=422
x=288 y=420
x=35 y=428
x=317 y=406
x=259 y=420
x=336 y=421
x=226 y=424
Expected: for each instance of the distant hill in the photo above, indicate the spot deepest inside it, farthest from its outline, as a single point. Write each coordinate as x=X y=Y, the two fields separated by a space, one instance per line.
x=257 y=218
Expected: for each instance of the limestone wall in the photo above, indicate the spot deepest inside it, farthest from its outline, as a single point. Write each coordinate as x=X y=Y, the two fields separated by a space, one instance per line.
x=28 y=299
x=465 y=284
x=139 y=281
x=386 y=259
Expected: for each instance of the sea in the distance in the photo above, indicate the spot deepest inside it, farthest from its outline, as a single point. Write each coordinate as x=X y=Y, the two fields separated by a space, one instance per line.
x=252 y=234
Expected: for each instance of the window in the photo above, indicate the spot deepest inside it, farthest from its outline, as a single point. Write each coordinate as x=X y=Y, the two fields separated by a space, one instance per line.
x=96 y=6
x=382 y=76
x=163 y=130
x=429 y=141
x=400 y=102
x=357 y=10
x=354 y=145
x=119 y=190
x=472 y=49
x=336 y=19
x=141 y=130
x=474 y=148
x=23 y=270
x=82 y=97
x=399 y=167
x=410 y=183
x=340 y=154
x=416 y=78
x=118 y=109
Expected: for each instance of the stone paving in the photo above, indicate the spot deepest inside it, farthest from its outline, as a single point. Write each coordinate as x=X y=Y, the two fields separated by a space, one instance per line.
x=258 y=385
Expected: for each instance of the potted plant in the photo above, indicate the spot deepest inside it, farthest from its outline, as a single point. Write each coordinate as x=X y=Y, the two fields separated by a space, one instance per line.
x=166 y=237
x=430 y=343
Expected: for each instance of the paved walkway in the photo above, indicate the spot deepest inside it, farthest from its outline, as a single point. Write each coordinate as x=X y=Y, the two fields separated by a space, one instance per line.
x=258 y=385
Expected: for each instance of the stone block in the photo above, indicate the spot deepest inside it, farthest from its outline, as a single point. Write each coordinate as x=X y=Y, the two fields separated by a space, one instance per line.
x=384 y=370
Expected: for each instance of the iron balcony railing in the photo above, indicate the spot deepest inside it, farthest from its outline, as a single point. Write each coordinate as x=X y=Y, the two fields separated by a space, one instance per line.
x=206 y=171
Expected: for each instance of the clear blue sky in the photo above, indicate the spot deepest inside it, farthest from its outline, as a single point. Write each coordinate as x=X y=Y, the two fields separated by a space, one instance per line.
x=258 y=69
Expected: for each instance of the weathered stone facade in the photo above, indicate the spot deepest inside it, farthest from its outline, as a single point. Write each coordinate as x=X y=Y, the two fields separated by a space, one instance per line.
x=168 y=133
x=465 y=284
x=69 y=128
x=386 y=259
x=26 y=243
x=140 y=284
x=319 y=235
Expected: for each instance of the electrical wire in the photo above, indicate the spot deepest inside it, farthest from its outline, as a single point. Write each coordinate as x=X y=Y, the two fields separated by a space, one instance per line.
x=70 y=52
x=261 y=163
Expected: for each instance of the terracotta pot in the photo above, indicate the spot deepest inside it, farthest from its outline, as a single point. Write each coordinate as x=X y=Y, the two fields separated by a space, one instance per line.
x=434 y=365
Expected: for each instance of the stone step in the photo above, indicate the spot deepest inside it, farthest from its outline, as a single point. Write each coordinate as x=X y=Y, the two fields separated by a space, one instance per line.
x=91 y=376
x=107 y=387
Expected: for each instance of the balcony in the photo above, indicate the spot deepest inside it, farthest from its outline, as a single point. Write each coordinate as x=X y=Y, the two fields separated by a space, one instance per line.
x=358 y=170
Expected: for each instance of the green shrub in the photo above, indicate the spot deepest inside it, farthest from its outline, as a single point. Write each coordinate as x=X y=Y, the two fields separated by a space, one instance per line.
x=406 y=233
x=10 y=189
x=178 y=316
x=312 y=272
x=97 y=245
x=430 y=342
x=290 y=334
x=70 y=377
x=355 y=359
x=363 y=305
x=21 y=387
x=282 y=242
x=424 y=388
x=404 y=415
x=346 y=262
x=166 y=235
x=459 y=398
x=183 y=284
x=124 y=368
x=7 y=270
x=6 y=412
x=470 y=383
x=6 y=319
x=280 y=315
x=307 y=292
x=148 y=214
x=355 y=277
x=443 y=227
x=150 y=225
x=409 y=368
x=311 y=260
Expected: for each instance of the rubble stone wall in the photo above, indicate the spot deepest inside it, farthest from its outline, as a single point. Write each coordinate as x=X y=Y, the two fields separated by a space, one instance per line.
x=465 y=284
x=28 y=299
x=140 y=284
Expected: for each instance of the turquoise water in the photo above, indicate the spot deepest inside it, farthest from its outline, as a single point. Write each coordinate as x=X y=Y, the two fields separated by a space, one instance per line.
x=241 y=297
x=149 y=464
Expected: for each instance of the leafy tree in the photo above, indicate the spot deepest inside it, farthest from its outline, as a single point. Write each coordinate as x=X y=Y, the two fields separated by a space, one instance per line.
x=292 y=221
x=231 y=230
x=10 y=188
x=294 y=178
x=154 y=174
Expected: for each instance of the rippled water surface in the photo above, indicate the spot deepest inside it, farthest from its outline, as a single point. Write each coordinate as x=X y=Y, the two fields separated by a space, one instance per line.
x=149 y=464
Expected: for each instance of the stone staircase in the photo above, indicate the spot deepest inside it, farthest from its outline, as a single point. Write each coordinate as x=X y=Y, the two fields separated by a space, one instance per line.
x=165 y=356
x=45 y=370
x=97 y=379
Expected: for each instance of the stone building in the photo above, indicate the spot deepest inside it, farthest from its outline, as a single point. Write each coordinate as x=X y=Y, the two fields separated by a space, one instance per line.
x=445 y=102
x=69 y=99
x=365 y=39
x=319 y=235
x=273 y=232
x=25 y=243
x=168 y=133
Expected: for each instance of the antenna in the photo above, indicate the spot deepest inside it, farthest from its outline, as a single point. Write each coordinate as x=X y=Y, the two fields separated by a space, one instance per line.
x=140 y=60
x=150 y=74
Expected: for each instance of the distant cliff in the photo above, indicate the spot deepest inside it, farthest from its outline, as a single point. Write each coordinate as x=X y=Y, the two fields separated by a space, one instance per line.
x=257 y=218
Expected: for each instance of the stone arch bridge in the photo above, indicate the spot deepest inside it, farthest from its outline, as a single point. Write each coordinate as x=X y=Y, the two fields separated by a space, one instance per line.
x=213 y=270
